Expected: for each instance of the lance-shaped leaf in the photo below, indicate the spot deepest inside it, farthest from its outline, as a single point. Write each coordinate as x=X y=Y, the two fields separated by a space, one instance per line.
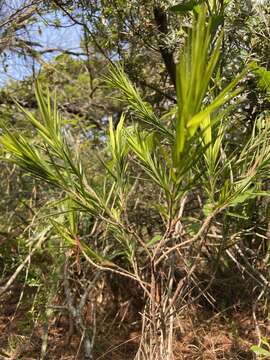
x=196 y=67
x=130 y=95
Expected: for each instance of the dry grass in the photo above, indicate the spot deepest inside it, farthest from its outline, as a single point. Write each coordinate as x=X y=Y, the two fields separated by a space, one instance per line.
x=200 y=333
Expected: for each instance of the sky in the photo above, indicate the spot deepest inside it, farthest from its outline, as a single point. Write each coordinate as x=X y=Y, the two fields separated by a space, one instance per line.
x=48 y=36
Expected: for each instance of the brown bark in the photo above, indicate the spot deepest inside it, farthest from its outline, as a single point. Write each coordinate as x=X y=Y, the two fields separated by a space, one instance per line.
x=167 y=55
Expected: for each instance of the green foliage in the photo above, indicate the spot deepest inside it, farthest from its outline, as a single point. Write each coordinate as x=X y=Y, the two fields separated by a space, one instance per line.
x=195 y=71
x=260 y=350
x=186 y=6
x=142 y=111
x=168 y=161
x=263 y=78
x=52 y=160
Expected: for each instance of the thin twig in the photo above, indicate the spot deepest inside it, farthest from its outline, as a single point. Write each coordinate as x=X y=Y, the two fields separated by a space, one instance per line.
x=11 y=280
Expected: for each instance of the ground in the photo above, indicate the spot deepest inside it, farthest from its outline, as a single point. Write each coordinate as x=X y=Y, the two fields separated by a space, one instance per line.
x=200 y=334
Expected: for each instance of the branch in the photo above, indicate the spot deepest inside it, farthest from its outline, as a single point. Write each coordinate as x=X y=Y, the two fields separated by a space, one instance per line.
x=21 y=15
x=11 y=280
x=86 y=28
x=167 y=55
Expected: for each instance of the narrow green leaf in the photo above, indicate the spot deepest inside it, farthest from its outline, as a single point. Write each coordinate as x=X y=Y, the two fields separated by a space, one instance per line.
x=154 y=240
x=185 y=6
x=260 y=351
